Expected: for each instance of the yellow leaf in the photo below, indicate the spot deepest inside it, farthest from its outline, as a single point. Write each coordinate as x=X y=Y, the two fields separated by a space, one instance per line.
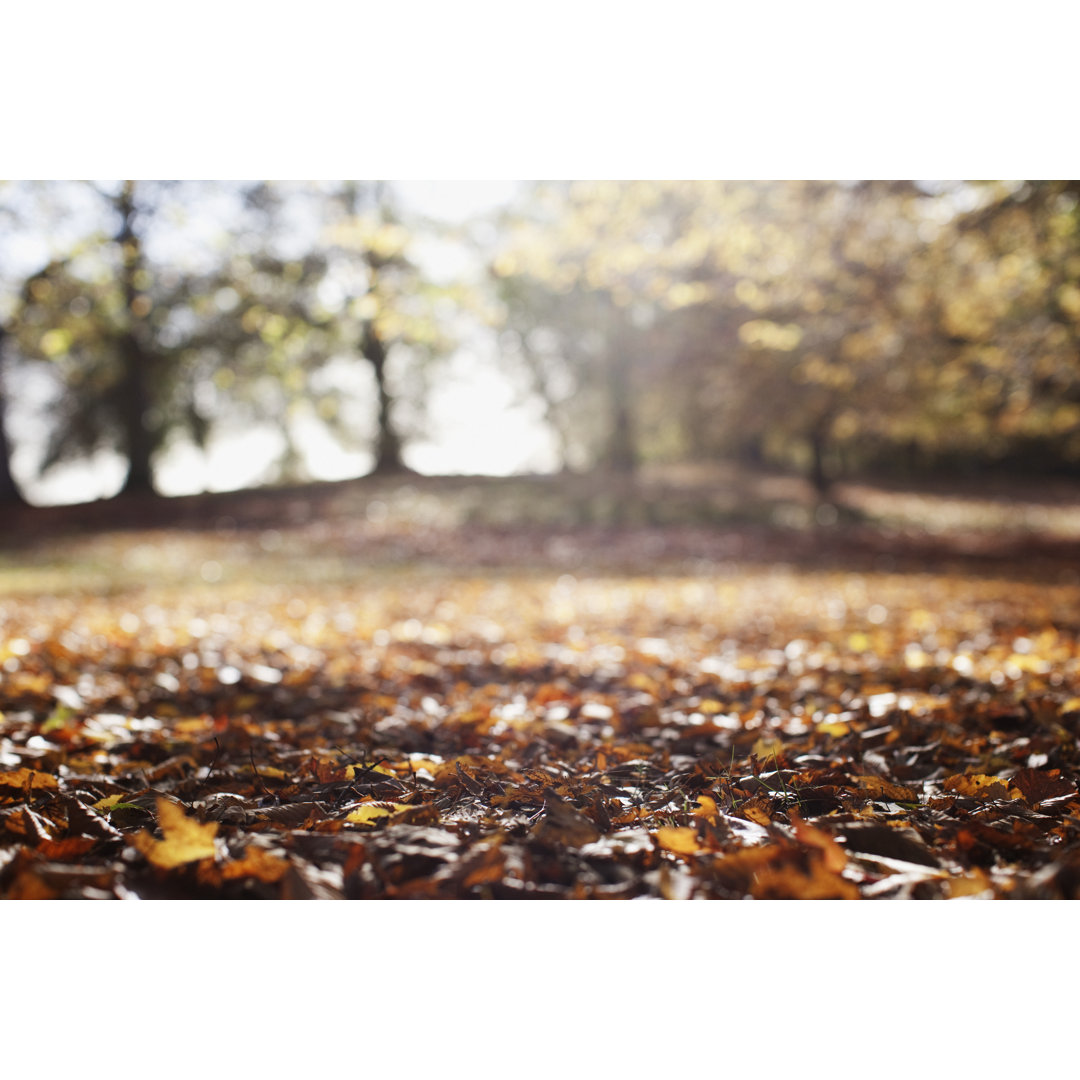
x=974 y=883
x=185 y=839
x=766 y=747
x=27 y=779
x=351 y=771
x=273 y=772
x=683 y=841
x=836 y=728
x=706 y=808
x=371 y=812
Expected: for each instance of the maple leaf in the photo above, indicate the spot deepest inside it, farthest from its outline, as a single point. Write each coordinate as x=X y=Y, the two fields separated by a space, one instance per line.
x=185 y=840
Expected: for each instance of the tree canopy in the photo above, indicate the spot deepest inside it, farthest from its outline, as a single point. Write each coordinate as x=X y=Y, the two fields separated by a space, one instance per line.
x=831 y=327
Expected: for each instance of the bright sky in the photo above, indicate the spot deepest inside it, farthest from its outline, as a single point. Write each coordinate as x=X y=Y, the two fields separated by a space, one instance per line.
x=477 y=423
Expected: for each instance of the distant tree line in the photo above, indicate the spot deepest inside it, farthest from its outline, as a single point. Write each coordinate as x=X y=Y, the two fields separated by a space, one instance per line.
x=835 y=328
x=832 y=327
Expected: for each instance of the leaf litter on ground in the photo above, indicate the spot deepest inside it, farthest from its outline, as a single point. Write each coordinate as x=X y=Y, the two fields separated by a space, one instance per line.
x=595 y=714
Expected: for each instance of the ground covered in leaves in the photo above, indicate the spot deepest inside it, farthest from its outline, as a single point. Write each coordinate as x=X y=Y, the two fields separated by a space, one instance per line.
x=346 y=710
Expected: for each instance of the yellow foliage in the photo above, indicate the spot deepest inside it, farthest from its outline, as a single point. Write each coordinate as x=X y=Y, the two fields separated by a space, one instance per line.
x=55 y=343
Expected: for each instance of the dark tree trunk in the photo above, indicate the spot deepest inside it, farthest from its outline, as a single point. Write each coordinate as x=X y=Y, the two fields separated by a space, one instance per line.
x=388 y=448
x=134 y=403
x=388 y=457
x=10 y=495
x=134 y=399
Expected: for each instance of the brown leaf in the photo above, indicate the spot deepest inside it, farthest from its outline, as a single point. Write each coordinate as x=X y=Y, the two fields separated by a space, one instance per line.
x=835 y=857
x=86 y=821
x=1038 y=785
x=870 y=838
x=562 y=824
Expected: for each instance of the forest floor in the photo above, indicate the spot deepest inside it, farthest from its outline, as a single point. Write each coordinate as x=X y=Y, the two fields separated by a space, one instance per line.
x=695 y=685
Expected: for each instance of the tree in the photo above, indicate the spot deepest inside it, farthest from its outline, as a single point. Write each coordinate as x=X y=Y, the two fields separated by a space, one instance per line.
x=574 y=280
x=390 y=311
x=1007 y=296
x=10 y=495
x=97 y=314
x=766 y=320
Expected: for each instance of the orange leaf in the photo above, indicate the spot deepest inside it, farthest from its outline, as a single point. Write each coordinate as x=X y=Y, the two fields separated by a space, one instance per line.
x=877 y=788
x=977 y=786
x=706 y=809
x=835 y=856
x=756 y=810
x=257 y=863
x=791 y=883
x=683 y=841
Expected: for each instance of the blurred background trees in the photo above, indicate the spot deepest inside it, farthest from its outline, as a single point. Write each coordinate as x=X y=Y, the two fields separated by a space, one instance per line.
x=838 y=329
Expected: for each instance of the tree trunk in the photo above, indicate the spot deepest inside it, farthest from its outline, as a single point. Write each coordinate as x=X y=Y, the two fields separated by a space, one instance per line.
x=10 y=495
x=388 y=457
x=134 y=398
x=134 y=403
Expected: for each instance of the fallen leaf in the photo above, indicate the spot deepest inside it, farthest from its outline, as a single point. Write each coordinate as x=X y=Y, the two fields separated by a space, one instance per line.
x=1037 y=785
x=185 y=839
x=681 y=840
x=878 y=788
x=23 y=782
x=562 y=824
x=369 y=813
x=835 y=858
x=256 y=863
x=792 y=883
x=707 y=809
x=977 y=786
